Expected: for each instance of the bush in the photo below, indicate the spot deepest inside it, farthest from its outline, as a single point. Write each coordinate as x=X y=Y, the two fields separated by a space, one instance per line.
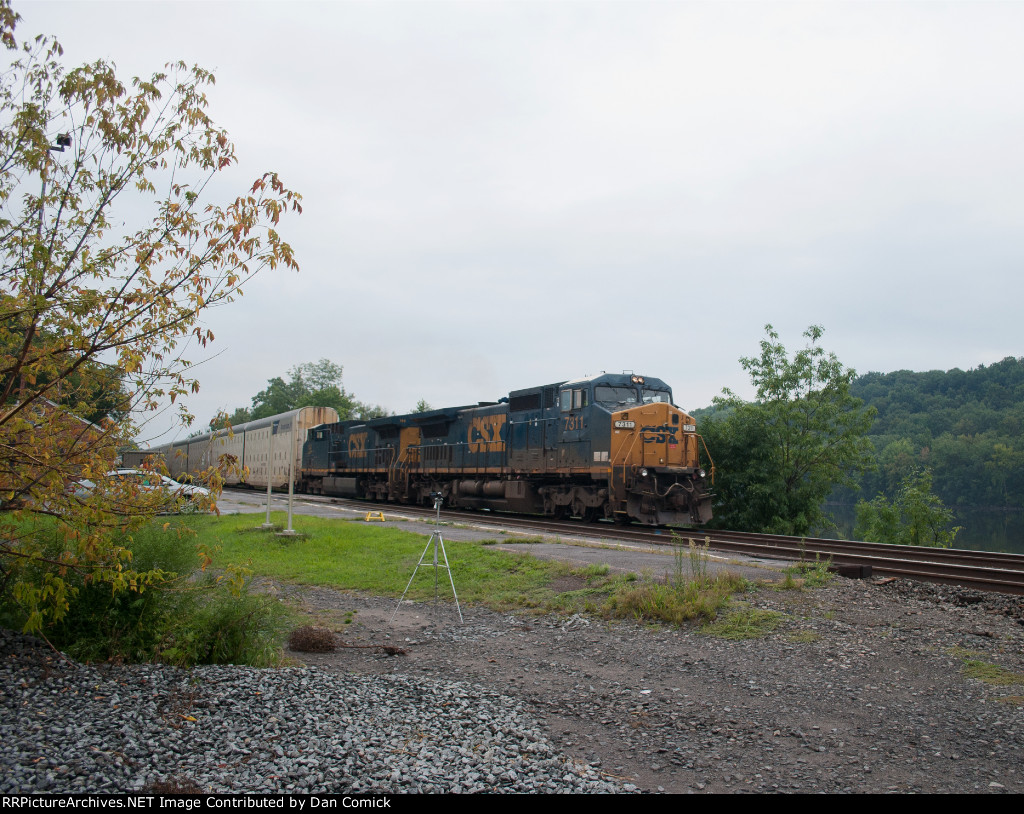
x=187 y=616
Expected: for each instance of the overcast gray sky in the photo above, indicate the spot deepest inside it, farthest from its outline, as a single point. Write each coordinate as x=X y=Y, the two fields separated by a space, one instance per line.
x=499 y=195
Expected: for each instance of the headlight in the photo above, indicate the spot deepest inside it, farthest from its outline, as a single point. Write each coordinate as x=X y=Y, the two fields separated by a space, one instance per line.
x=702 y=473
x=643 y=473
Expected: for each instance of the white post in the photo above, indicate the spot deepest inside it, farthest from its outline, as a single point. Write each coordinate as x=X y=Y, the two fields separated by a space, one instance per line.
x=270 y=474
x=291 y=476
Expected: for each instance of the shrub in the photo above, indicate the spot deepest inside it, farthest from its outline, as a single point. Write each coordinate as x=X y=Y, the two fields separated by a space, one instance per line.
x=186 y=616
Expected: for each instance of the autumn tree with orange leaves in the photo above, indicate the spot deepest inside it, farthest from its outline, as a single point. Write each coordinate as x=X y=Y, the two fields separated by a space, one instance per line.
x=110 y=254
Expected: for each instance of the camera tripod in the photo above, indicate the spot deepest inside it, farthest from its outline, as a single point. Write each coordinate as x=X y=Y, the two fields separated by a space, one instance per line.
x=437 y=541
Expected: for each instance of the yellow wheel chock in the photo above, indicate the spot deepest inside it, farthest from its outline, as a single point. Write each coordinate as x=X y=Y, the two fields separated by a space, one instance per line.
x=374 y=516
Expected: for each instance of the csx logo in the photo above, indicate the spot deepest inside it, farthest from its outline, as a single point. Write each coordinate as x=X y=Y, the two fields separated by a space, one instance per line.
x=659 y=435
x=357 y=445
x=485 y=434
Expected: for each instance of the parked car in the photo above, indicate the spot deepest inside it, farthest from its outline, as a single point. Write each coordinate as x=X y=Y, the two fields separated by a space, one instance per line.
x=187 y=494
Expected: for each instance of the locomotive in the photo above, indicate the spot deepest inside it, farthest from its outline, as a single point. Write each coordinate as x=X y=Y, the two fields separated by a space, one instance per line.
x=610 y=446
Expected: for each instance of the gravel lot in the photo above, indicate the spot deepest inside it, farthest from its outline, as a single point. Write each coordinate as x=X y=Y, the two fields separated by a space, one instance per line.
x=861 y=689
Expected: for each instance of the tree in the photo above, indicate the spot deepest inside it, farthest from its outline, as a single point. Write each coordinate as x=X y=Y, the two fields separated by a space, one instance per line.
x=916 y=516
x=311 y=384
x=109 y=255
x=778 y=458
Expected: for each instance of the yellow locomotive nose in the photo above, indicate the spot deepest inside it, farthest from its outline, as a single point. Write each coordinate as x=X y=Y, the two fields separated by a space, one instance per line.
x=656 y=475
x=654 y=435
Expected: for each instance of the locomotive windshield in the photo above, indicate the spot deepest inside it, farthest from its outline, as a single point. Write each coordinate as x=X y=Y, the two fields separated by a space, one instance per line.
x=610 y=396
x=651 y=396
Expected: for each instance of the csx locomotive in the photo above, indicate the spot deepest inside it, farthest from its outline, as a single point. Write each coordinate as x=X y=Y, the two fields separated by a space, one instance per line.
x=609 y=446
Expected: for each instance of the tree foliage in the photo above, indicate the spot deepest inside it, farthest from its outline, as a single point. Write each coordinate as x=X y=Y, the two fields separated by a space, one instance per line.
x=915 y=516
x=109 y=254
x=311 y=384
x=964 y=426
x=779 y=457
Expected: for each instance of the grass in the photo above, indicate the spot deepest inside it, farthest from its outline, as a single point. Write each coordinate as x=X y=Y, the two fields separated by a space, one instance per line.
x=674 y=604
x=806 y=574
x=745 y=623
x=975 y=667
x=991 y=673
x=531 y=540
x=380 y=560
x=689 y=595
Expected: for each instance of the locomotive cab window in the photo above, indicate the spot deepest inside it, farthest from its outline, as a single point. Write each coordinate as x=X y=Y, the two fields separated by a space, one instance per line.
x=651 y=396
x=612 y=396
x=574 y=400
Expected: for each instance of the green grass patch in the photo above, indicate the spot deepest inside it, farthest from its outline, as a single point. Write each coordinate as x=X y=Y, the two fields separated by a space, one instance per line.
x=380 y=560
x=975 y=667
x=806 y=574
x=534 y=540
x=745 y=623
x=803 y=637
x=676 y=604
x=991 y=673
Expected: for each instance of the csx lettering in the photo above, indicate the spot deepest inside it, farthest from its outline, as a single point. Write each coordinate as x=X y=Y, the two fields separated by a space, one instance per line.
x=357 y=445
x=659 y=435
x=485 y=434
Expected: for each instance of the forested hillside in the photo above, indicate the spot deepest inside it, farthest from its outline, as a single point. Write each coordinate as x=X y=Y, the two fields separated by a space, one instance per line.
x=966 y=426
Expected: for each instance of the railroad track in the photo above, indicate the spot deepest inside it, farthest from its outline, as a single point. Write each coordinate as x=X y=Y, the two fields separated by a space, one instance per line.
x=981 y=570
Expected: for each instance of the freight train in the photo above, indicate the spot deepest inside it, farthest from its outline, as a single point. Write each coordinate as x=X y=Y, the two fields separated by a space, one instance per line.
x=611 y=446
x=264 y=449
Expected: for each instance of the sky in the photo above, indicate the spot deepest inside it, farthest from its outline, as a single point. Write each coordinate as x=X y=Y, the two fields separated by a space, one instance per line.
x=499 y=195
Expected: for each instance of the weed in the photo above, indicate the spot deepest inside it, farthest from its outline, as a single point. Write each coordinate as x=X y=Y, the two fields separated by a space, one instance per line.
x=596 y=570
x=789 y=583
x=675 y=604
x=693 y=555
x=745 y=623
x=1013 y=700
x=975 y=667
x=809 y=574
x=963 y=653
x=991 y=673
x=803 y=636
